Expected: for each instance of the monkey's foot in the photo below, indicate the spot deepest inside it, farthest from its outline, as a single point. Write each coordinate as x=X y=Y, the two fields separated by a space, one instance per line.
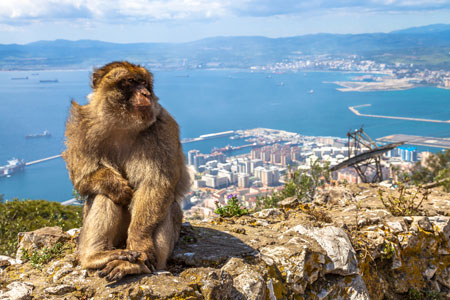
x=117 y=269
x=128 y=255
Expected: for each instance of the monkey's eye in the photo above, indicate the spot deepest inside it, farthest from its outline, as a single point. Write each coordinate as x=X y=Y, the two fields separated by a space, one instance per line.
x=131 y=80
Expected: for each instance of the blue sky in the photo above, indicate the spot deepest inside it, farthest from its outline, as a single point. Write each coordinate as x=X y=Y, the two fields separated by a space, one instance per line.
x=124 y=21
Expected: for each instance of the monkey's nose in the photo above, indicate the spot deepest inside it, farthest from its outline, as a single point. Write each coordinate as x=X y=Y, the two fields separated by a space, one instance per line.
x=143 y=91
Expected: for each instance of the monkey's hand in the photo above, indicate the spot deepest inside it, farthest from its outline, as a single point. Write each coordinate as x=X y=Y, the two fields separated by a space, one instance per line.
x=107 y=182
x=117 y=269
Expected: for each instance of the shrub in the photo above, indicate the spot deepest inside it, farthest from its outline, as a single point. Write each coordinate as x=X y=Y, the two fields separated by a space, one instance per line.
x=21 y=216
x=232 y=209
x=42 y=256
x=404 y=203
x=302 y=184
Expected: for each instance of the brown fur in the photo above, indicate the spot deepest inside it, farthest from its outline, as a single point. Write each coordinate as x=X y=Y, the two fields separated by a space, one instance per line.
x=125 y=156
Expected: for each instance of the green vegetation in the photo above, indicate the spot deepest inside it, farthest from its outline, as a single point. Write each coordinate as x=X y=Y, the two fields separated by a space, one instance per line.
x=232 y=209
x=21 y=216
x=435 y=169
x=301 y=183
x=403 y=202
x=414 y=294
x=39 y=257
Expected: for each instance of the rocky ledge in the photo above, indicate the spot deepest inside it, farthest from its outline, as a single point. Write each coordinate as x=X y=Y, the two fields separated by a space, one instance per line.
x=343 y=245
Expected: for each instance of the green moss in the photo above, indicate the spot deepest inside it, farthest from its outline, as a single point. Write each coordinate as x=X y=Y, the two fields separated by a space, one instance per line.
x=21 y=216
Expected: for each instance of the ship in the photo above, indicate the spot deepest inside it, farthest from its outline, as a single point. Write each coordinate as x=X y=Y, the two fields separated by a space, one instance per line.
x=14 y=165
x=311 y=92
x=48 y=80
x=19 y=78
x=45 y=133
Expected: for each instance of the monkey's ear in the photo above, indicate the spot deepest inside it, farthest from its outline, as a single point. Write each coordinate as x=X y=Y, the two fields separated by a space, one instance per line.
x=97 y=76
x=99 y=73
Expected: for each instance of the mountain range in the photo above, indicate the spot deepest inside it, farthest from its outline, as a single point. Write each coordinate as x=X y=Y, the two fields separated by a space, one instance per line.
x=425 y=47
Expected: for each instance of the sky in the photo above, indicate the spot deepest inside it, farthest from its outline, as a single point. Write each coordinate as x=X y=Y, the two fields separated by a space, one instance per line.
x=173 y=21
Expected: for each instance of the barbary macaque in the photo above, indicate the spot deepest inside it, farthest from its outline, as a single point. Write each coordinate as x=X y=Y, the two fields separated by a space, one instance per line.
x=124 y=155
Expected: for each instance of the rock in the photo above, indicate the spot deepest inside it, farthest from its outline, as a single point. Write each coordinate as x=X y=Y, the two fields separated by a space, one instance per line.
x=74 y=232
x=296 y=260
x=337 y=246
x=335 y=196
x=17 y=291
x=7 y=261
x=430 y=271
x=269 y=213
x=421 y=223
x=290 y=202
x=59 y=289
x=396 y=226
x=285 y=253
x=246 y=279
x=216 y=248
x=166 y=287
x=444 y=277
x=43 y=237
x=213 y=283
x=441 y=225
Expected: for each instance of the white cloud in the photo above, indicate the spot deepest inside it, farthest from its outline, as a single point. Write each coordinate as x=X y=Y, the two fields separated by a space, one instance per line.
x=122 y=11
x=26 y=10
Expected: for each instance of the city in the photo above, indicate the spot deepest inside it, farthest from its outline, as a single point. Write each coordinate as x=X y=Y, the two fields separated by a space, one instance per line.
x=263 y=171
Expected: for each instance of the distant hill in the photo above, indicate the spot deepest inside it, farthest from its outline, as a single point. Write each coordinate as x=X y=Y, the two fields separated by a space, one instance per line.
x=427 y=46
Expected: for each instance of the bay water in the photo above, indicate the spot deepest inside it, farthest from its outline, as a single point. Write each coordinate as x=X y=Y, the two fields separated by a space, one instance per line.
x=202 y=101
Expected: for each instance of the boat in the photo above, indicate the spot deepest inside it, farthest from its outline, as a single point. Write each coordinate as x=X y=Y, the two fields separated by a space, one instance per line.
x=45 y=133
x=311 y=92
x=14 y=165
x=48 y=80
x=19 y=78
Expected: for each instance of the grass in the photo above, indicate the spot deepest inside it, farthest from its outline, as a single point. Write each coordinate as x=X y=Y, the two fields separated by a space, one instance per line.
x=28 y=215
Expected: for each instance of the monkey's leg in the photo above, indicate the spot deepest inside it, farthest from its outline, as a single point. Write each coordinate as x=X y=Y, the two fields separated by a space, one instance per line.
x=104 y=228
x=166 y=235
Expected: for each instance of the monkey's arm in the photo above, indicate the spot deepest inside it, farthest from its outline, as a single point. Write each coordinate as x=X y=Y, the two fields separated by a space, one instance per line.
x=108 y=182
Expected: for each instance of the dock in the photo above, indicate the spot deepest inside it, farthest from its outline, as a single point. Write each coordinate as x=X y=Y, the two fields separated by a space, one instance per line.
x=356 y=112
x=208 y=136
x=426 y=141
x=42 y=160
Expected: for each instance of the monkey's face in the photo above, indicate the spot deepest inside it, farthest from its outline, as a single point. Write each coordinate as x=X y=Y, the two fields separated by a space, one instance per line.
x=126 y=93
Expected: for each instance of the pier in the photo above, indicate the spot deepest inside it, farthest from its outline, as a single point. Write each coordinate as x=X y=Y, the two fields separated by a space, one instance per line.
x=208 y=136
x=42 y=160
x=356 y=112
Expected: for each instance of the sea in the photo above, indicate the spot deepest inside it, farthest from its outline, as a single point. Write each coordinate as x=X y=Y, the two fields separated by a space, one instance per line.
x=202 y=101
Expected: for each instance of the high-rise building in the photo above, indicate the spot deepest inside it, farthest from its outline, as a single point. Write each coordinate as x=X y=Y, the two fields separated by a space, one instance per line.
x=210 y=180
x=267 y=177
x=243 y=180
x=191 y=155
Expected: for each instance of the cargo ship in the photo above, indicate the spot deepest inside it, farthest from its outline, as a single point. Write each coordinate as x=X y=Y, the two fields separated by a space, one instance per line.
x=46 y=133
x=48 y=80
x=14 y=165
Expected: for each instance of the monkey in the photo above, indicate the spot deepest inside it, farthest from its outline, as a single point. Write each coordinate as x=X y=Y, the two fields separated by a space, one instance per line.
x=123 y=153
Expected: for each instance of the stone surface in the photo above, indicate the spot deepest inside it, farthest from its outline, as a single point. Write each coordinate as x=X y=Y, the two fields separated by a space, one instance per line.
x=291 y=252
x=59 y=289
x=336 y=244
x=17 y=291
x=43 y=237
